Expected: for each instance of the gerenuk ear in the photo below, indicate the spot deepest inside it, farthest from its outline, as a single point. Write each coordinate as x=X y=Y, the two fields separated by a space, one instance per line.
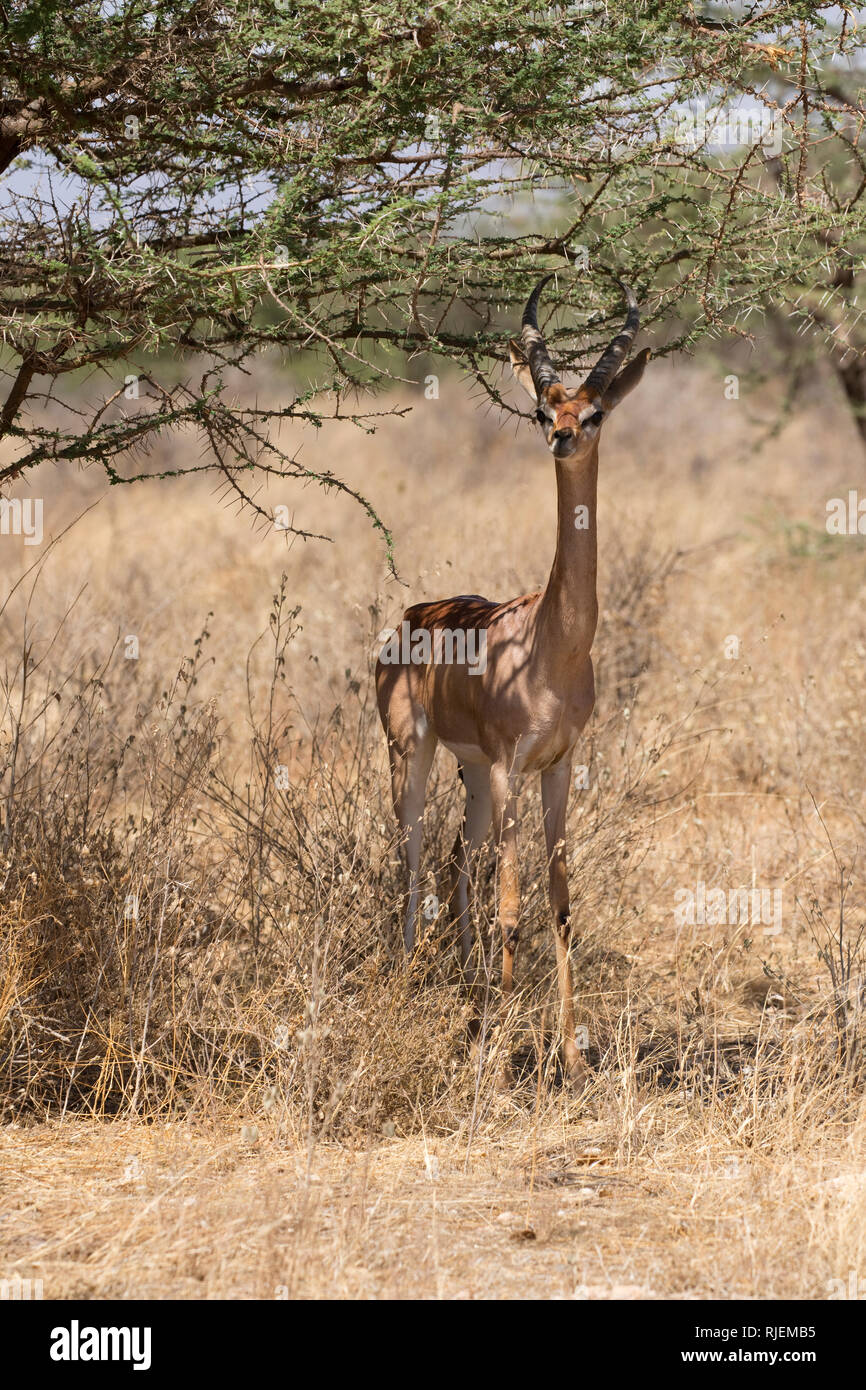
x=520 y=367
x=626 y=380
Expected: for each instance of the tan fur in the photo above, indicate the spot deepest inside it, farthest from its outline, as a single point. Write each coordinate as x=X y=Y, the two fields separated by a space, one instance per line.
x=524 y=714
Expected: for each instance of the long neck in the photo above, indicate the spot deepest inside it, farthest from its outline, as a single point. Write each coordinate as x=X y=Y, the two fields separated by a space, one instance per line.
x=568 y=608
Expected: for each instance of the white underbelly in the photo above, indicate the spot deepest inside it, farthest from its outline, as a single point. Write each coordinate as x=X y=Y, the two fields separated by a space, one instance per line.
x=466 y=752
x=537 y=752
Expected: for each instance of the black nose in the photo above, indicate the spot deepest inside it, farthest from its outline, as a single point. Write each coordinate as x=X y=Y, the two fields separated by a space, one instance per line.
x=562 y=434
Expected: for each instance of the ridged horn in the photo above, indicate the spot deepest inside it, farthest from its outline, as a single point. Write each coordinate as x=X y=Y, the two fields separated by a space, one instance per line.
x=612 y=358
x=534 y=347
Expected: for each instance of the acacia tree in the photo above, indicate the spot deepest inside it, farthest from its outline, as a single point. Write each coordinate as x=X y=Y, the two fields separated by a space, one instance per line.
x=825 y=317
x=209 y=179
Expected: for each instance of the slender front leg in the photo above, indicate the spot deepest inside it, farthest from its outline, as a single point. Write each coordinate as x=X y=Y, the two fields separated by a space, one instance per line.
x=470 y=840
x=555 y=786
x=503 y=795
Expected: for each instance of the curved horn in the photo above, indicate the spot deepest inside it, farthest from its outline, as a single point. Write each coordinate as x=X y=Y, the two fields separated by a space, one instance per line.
x=611 y=359
x=534 y=347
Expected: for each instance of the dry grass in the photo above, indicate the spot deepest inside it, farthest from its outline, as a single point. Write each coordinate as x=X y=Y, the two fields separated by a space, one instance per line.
x=548 y=1210
x=218 y=1079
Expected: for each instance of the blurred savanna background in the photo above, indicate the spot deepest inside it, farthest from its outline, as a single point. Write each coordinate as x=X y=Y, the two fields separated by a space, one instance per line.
x=219 y=1076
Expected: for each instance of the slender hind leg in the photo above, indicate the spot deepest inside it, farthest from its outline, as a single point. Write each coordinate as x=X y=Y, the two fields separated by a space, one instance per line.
x=410 y=768
x=470 y=840
x=555 y=786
